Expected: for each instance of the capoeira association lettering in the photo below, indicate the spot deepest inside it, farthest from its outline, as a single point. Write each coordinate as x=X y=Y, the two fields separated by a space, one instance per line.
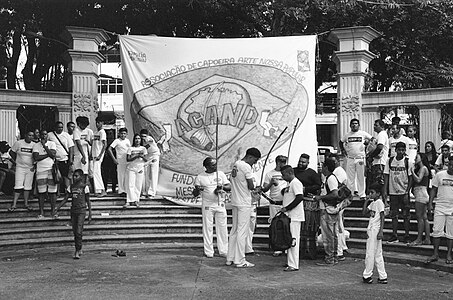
x=355 y=139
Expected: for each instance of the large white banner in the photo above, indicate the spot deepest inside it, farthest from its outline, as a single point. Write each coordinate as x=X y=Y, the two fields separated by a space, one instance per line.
x=196 y=94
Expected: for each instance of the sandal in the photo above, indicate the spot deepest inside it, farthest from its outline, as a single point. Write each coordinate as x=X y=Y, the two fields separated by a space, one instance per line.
x=12 y=208
x=290 y=269
x=431 y=259
x=449 y=261
x=28 y=208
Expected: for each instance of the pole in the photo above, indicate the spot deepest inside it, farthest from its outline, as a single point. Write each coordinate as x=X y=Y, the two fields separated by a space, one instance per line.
x=291 y=140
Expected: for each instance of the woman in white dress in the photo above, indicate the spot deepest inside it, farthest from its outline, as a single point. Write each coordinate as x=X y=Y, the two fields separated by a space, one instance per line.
x=136 y=158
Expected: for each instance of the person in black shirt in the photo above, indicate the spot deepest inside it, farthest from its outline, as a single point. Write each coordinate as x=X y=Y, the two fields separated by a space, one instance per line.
x=309 y=177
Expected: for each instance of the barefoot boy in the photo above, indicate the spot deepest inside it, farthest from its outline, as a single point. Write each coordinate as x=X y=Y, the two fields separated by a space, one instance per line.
x=80 y=193
x=374 y=242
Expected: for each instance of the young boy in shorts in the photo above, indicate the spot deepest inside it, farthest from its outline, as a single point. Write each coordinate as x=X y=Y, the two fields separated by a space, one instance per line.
x=80 y=193
x=375 y=234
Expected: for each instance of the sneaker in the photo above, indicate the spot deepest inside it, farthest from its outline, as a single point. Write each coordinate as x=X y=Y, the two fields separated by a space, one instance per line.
x=228 y=263
x=393 y=239
x=382 y=281
x=246 y=264
x=341 y=258
x=367 y=280
x=277 y=253
x=209 y=256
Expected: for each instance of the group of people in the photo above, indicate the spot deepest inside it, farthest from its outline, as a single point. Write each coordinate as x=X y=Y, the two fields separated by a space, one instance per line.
x=30 y=160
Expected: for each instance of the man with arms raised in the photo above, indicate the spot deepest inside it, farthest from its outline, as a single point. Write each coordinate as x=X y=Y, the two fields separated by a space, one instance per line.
x=241 y=200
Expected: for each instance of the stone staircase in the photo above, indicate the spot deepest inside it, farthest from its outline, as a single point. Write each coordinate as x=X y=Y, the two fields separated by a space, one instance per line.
x=155 y=221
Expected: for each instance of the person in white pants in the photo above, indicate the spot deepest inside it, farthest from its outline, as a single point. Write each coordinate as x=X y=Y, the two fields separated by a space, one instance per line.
x=212 y=185
x=256 y=195
x=293 y=206
x=99 y=144
x=149 y=188
x=274 y=183
x=340 y=173
x=375 y=234
x=136 y=158
x=82 y=144
x=353 y=145
x=241 y=200
x=121 y=144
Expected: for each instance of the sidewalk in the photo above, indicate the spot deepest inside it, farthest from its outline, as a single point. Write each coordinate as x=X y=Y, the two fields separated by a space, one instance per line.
x=156 y=272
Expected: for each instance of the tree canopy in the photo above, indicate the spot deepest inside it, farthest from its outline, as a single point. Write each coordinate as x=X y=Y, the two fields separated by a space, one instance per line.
x=414 y=51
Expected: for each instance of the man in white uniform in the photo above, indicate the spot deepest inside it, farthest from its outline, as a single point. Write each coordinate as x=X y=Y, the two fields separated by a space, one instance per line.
x=22 y=154
x=241 y=200
x=65 y=151
x=293 y=206
x=149 y=188
x=341 y=175
x=353 y=146
x=443 y=213
x=121 y=144
x=82 y=144
x=274 y=183
x=212 y=184
x=379 y=155
x=99 y=144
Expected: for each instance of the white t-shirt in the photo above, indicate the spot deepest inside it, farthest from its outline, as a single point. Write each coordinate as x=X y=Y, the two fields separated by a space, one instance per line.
x=153 y=150
x=121 y=147
x=67 y=141
x=382 y=138
x=442 y=162
x=47 y=163
x=332 y=184
x=353 y=143
x=24 y=154
x=209 y=182
x=83 y=136
x=375 y=207
x=398 y=176
x=412 y=149
x=275 y=191
x=295 y=188
x=340 y=173
x=96 y=145
x=240 y=193
x=393 y=142
x=444 y=183
x=137 y=164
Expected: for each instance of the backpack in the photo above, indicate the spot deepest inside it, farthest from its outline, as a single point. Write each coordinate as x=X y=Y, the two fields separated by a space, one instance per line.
x=343 y=200
x=280 y=238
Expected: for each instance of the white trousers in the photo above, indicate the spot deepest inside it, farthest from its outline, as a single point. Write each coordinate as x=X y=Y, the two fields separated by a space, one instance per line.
x=135 y=181
x=97 y=176
x=121 y=175
x=151 y=177
x=340 y=235
x=238 y=234
x=293 y=252
x=273 y=210
x=77 y=164
x=374 y=255
x=219 y=214
x=355 y=171
x=252 y=226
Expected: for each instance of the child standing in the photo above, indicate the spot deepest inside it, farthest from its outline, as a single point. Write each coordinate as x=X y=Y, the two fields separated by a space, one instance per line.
x=375 y=234
x=80 y=193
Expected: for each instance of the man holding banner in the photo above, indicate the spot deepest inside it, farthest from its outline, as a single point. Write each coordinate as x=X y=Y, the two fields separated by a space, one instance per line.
x=241 y=200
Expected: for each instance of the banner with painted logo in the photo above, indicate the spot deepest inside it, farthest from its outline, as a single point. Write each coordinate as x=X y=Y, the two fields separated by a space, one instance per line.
x=196 y=96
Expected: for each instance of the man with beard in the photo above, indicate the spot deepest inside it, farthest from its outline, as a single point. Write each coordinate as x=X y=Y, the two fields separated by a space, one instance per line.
x=309 y=177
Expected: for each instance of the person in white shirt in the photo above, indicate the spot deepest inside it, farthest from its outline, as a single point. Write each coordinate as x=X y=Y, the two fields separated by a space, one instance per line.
x=446 y=140
x=241 y=200
x=412 y=143
x=340 y=173
x=65 y=151
x=82 y=144
x=293 y=206
x=99 y=144
x=353 y=145
x=44 y=154
x=274 y=183
x=212 y=185
x=395 y=138
x=22 y=154
x=379 y=155
x=70 y=126
x=442 y=159
x=121 y=144
x=136 y=159
x=149 y=188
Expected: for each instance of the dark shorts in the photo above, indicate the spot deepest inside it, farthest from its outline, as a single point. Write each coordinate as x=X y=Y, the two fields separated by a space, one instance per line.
x=64 y=168
x=399 y=203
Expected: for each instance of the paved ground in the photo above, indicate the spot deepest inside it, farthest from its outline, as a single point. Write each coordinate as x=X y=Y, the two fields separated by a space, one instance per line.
x=183 y=273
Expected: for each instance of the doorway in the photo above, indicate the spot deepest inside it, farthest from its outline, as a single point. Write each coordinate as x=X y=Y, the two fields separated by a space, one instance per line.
x=30 y=117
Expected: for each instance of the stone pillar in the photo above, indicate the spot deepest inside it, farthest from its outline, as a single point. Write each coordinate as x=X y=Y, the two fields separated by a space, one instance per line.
x=352 y=59
x=84 y=58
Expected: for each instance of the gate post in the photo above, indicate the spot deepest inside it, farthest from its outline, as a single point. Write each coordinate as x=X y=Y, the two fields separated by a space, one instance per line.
x=84 y=59
x=352 y=59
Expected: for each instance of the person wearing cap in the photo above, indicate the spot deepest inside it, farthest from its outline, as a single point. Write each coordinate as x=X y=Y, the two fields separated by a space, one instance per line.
x=274 y=183
x=241 y=199
x=6 y=169
x=212 y=184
